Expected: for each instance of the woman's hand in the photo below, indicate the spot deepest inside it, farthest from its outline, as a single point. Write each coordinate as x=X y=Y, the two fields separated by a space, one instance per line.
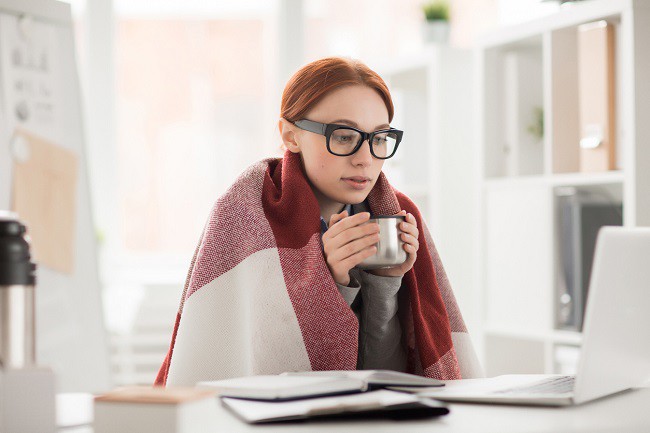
x=348 y=242
x=409 y=235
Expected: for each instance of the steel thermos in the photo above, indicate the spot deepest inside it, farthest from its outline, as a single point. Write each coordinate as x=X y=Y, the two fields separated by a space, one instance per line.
x=17 y=280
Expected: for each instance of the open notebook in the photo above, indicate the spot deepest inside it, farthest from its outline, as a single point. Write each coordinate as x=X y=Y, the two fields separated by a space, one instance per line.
x=295 y=385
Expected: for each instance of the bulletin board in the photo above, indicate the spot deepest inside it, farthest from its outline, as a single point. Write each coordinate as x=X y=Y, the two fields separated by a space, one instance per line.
x=43 y=179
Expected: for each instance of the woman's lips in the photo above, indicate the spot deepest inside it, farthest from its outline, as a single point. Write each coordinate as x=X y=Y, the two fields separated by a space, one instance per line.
x=357 y=182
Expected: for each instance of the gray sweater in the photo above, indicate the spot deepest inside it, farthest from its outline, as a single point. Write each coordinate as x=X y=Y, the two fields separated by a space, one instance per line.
x=373 y=300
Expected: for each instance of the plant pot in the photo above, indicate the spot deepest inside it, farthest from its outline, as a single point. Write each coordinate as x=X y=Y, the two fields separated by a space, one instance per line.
x=436 y=31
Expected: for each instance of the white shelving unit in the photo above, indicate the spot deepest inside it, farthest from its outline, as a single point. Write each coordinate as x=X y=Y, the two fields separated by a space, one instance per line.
x=520 y=69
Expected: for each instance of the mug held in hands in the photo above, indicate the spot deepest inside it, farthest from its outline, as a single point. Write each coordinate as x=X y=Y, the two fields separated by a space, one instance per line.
x=390 y=248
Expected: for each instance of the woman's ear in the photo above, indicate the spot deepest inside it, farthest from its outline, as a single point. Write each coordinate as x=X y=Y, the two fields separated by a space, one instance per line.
x=288 y=133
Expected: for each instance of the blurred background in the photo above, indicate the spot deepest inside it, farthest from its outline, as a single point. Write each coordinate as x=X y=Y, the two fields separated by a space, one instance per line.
x=183 y=95
x=178 y=97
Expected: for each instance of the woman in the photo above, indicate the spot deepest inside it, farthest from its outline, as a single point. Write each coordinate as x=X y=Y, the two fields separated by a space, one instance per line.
x=273 y=285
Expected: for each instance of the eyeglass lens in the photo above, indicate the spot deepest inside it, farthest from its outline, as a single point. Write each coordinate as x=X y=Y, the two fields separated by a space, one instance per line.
x=343 y=142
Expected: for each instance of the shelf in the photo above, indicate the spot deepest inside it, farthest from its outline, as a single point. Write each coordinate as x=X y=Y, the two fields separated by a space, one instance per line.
x=564 y=179
x=567 y=17
x=534 y=114
x=524 y=226
x=552 y=336
x=514 y=93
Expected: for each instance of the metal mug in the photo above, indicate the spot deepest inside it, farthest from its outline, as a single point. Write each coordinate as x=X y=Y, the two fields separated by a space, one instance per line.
x=390 y=248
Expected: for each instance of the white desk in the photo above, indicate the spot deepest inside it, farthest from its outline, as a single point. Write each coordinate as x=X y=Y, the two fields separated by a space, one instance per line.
x=625 y=412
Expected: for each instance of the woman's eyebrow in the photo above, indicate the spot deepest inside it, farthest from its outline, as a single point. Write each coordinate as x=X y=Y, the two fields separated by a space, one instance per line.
x=356 y=125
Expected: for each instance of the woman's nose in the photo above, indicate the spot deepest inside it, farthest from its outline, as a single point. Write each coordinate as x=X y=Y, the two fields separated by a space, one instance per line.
x=363 y=155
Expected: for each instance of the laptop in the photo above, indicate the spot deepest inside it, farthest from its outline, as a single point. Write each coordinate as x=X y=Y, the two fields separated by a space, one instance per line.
x=615 y=353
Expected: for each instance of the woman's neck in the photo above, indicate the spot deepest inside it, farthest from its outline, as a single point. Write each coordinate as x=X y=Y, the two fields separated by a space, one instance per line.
x=328 y=207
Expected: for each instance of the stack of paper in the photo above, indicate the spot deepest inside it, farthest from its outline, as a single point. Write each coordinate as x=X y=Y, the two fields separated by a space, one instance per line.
x=376 y=403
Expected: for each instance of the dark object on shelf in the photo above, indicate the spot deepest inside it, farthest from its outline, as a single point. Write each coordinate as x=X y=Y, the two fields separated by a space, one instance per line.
x=581 y=214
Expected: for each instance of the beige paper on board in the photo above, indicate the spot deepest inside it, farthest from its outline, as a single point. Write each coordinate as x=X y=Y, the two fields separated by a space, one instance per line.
x=44 y=196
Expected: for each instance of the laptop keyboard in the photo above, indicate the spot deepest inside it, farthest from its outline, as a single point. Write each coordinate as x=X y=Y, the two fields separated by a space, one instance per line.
x=555 y=385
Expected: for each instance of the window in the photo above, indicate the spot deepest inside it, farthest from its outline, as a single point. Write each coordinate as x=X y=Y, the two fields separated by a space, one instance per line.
x=362 y=29
x=194 y=108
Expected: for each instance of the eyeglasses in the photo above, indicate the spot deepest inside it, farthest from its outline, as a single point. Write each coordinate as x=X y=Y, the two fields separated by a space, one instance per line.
x=343 y=140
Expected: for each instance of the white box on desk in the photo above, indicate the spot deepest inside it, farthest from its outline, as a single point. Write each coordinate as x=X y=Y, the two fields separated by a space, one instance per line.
x=160 y=410
x=27 y=400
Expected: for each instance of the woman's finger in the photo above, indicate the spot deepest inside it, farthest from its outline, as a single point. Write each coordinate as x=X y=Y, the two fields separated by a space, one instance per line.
x=337 y=217
x=412 y=254
x=359 y=257
x=409 y=228
x=352 y=234
x=352 y=248
x=410 y=240
x=346 y=223
x=411 y=219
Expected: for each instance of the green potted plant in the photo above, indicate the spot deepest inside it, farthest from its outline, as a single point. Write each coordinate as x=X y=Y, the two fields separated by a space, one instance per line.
x=436 y=27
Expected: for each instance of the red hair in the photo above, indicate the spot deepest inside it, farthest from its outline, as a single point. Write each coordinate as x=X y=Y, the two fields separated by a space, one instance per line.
x=316 y=79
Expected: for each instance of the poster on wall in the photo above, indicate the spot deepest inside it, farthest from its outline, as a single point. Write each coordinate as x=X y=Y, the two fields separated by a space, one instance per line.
x=41 y=173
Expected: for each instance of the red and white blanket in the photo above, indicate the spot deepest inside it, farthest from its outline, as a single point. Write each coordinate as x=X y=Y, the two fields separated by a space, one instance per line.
x=260 y=299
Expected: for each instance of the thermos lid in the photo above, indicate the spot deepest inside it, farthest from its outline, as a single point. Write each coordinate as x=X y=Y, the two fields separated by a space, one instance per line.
x=16 y=267
x=11 y=228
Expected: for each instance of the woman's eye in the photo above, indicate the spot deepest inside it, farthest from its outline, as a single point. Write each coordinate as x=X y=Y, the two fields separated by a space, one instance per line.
x=344 y=138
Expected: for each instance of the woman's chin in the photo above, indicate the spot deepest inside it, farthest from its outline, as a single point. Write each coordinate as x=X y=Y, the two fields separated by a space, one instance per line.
x=354 y=197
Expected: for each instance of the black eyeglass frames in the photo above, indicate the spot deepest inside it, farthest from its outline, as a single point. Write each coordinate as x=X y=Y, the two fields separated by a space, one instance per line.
x=344 y=140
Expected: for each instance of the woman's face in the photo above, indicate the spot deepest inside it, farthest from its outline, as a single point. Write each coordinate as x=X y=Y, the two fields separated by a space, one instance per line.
x=339 y=180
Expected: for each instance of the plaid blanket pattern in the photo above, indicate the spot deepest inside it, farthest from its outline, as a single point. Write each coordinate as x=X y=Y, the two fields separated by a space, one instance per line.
x=259 y=297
